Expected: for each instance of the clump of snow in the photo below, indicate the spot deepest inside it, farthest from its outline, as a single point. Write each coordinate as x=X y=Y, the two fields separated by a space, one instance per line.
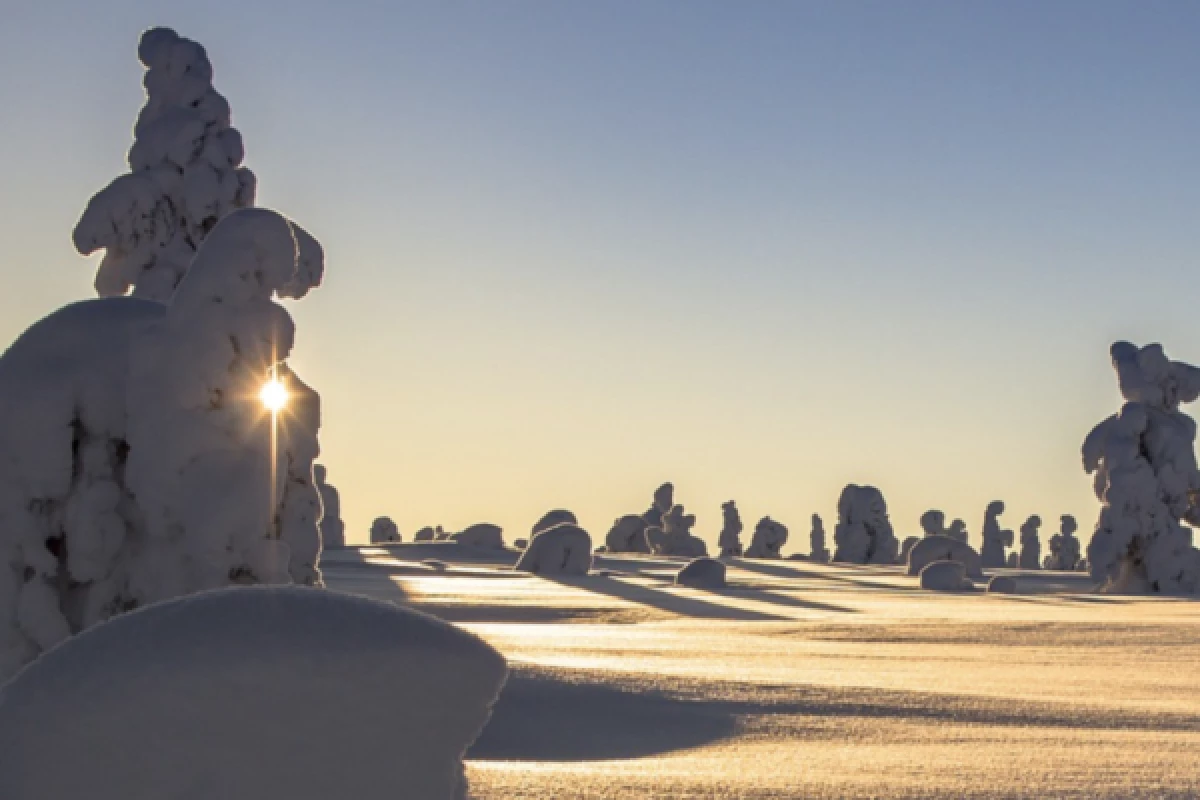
x=664 y=501
x=251 y=693
x=1146 y=477
x=628 y=535
x=1031 y=546
x=768 y=539
x=1002 y=584
x=702 y=573
x=426 y=534
x=383 y=530
x=944 y=548
x=481 y=534
x=995 y=539
x=818 y=551
x=933 y=523
x=675 y=537
x=1064 y=546
x=957 y=530
x=864 y=534
x=138 y=461
x=552 y=518
x=333 y=530
x=565 y=549
x=945 y=576
x=730 y=540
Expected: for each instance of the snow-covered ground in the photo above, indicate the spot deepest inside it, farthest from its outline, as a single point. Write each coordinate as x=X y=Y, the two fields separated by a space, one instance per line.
x=810 y=680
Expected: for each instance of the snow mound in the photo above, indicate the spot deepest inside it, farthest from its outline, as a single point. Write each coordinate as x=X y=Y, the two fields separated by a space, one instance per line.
x=729 y=539
x=946 y=576
x=565 y=549
x=1002 y=584
x=768 y=539
x=864 y=534
x=1064 y=547
x=819 y=552
x=481 y=534
x=943 y=548
x=1031 y=545
x=552 y=518
x=628 y=535
x=702 y=573
x=995 y=539
x=383 y=530
x=250 y=693
x=333 y=530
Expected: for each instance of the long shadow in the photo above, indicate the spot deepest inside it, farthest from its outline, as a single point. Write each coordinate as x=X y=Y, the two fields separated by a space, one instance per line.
x=346 y=569
x=781 y=571
x=663 y=601
x=766 y=596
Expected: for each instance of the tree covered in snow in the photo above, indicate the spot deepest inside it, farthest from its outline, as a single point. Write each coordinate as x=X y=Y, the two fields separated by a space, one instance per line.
x=933 y=523
x=864 y=534
x=333 y=530
x=957 y=530
x=138 y=461
x=552 y=518
x=1031 y=545
x=565 y=549
x=768 y=539
x=675 y=537
x=627 y=535
x=818 y=550
x=944 y=548
x=1147 y=479
x=730 y=540
x=481 y=534
x=1064 y=546
x=664 y=501
x=383 y=530
x=995 y=539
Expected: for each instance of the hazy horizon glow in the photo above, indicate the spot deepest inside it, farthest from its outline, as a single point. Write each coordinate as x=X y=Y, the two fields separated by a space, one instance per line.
x=759 y=251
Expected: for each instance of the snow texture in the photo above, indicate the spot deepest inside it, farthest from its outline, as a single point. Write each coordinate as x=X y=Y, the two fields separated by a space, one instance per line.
x=333 y=530
x=1002 y=584
x=818 y=551
x=864 y=534
x=945 y=576
x=481 y=534
x=768 y=539
x=944 y=548
x=1146 y=477
x=1064 y=546
x=675 y=537
x=1031 y=546
x=552 y=518
x=628 y=535
x=251 y=693
x=138 y=462
x=995 y=539
x=383 y=530
x=565 y=549
x=664 y=501
x=702 y=573
x=730 y=539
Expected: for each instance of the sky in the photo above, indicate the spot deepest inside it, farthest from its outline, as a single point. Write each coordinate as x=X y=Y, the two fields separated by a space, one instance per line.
x=761 y=250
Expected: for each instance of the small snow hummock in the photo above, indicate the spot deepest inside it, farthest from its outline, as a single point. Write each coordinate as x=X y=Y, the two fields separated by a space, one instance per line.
x=1031 y=546
x=945 y=576
x=664 y=501
x=333 y=530
x=818 y=550
x=944 y=548
x=383 y=530
x=628 y=535
x=481 y=534
x=864 y=534
x=1146 y=477
x=552 y=518
x=675 y=537
x=768 y=539
x=251 y=693
x=1002 y=584
x=995 y=539
x=1064 y=547
x=565 y=549
x=702 y=573
x=730 y=540
x=139 y=463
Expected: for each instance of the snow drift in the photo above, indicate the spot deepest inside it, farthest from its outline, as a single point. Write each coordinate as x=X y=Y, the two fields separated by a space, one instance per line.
x=333 y=530
x=944 y=548
x=383 y=530
x=995 y=539
x=864 y=534
x=565 y=549
x=328 y=695
x=702 y=573
x=729 y=539
x=768 y=539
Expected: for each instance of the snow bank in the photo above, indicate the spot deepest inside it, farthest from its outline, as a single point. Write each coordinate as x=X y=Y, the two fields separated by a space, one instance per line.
x=333 y=530
x=481 y=534
x=945 y=576
x=565 y=549
x=383 y=530
x=552 y=518
x=138 y=462
x=995 y=539
x=675 y=537
x=251 y=693
x=730 y=540
x=944 y=548
x=768 y=539
x=702 y=573
x=628 y=535
x=864 y=534
x=1064 y=546
x=1031 y=546
x=1146 y=477
x=1002 y=584
x=818 y=551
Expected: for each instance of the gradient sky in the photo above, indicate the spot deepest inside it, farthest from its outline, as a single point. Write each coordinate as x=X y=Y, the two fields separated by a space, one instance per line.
x=759 y=249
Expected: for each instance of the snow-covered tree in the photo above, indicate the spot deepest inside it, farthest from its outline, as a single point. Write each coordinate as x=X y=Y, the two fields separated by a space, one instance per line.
x=730 y=540
x=1146 y=477
x=564 y=549
x=933 y=523
x=627 y=535
x=864 y=534
x=995 y=539
x=957 y=530
x=384 y=530
x=1031 y=545
x=1064 y=546
x=664 y=501
x=818 y=551
x=481 y=534
x=333 y=530
x=675 y=537
x=768 y=539
x=552 y=518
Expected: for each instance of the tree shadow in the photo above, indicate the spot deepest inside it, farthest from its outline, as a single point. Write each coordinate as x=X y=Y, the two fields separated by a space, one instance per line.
x=670 y=602
x=347 y=569
x=778 y=598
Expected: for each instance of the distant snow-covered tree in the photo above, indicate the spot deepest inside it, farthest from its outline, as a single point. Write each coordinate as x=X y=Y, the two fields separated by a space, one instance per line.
x=1064 y=546
x=1031 y=545
x=333 y=530
x=818 y=551
x=933 y=523
x=957 y=530
x=383 y=530
x=675 y=537
x=627 y=535
x=768 y=539
x=552 y=518
x=730 y=540
x=864 y=533
x=995 y=539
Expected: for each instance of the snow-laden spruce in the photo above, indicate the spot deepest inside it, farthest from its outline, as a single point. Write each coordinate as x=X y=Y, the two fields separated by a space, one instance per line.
x=675 y=537
x=664 y=501
x=1064 y=547
x=384 y=530
x=768 y=539
x=1146 y=477
x=627 y=535
x=944 y=548
x=995 y=539
x=333 y=530
x=138 y=461
x=933 y=523
x=730 y=540
x=702 y=573
x=249 y=694
x=1031 y=545
x=565 y=549
x=552 y=518
x=818 y=551
x=864 y=533
x=957 y=530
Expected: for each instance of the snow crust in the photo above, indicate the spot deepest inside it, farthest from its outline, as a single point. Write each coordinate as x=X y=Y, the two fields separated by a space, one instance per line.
x=481 y=534
x=333 y=530
x=1031 y=545
x=702 y=573
x=945 y=576
x=730 y=538
x=627 y=535
x=818 y=551
x=1064 y=546
x=864 y=533
x=995 y=539
x=383 y=530
x=944 y=548
x=251 y=693
x=768 y=539
x=565 y=549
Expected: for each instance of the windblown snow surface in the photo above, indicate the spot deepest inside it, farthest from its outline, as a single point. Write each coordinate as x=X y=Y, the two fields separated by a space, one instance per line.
x=804 y=680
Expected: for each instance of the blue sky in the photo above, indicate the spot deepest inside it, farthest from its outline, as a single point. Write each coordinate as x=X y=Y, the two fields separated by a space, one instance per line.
x=760 y=249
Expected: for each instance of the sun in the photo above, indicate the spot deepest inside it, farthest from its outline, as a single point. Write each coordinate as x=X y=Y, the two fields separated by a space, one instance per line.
x=274 y=395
